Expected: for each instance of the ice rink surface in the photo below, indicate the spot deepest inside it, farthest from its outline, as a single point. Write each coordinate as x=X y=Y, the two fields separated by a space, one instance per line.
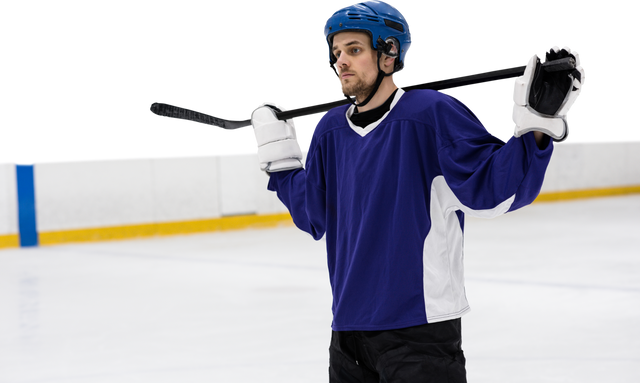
x=554 y=290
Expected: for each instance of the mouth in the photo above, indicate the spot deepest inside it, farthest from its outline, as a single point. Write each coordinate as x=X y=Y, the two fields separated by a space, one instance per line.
x=346 y=75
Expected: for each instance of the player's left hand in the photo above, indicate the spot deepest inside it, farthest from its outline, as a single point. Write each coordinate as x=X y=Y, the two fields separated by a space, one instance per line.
x=543 y=98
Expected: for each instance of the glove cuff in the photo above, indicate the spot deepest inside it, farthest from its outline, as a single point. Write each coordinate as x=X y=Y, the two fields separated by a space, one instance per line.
x=528 y=120
x=283 y=165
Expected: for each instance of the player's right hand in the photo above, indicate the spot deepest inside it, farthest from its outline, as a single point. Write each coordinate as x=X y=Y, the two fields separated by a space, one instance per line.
x=277 y=142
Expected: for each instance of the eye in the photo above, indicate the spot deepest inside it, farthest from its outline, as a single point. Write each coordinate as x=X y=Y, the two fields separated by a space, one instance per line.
x=350 y=51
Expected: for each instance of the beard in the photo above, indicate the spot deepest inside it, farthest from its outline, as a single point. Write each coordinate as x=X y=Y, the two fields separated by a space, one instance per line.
x=359 y=88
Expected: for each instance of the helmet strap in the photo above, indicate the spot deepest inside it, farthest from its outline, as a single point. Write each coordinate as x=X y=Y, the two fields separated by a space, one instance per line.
x=381 y=76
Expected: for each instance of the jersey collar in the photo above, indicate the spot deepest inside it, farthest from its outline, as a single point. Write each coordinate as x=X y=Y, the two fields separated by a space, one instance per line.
x=369 y=128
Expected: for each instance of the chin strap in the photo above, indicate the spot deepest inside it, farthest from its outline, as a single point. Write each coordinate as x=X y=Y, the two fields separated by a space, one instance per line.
x=381 y=76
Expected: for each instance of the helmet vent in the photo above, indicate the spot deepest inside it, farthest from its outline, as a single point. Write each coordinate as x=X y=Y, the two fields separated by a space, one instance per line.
x=358 y=16
x=394 y=25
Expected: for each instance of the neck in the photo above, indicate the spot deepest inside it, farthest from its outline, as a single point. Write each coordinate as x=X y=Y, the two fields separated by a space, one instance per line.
x=387 y=87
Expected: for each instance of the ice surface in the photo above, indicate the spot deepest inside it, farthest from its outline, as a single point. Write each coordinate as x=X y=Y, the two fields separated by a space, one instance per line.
x=554 y=290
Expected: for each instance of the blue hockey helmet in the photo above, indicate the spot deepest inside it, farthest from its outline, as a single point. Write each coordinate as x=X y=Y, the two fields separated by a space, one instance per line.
x=383 y=23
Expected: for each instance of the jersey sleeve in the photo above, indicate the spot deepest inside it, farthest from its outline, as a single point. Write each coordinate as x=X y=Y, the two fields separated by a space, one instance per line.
x=302 y=192
x=486 y=176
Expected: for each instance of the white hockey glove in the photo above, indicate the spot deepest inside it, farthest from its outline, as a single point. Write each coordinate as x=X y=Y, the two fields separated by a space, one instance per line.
x=278 y=148
x=543 y=98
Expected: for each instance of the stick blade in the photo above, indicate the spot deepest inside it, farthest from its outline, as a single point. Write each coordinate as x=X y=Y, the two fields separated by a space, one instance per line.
x=167 y=110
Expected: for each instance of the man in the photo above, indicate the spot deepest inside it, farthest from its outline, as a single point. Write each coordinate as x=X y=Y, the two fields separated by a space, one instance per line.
x=388 y=181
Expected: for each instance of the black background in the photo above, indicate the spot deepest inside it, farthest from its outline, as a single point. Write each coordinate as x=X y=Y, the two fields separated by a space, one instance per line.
x=225 y=61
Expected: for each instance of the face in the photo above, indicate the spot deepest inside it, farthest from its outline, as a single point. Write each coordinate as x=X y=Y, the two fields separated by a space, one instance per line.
x=356 y=63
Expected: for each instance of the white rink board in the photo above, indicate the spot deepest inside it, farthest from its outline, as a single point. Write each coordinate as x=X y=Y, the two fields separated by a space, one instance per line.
x=81 y=195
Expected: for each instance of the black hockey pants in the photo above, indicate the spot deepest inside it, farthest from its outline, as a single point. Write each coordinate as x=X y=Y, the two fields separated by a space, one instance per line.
x=428 y=353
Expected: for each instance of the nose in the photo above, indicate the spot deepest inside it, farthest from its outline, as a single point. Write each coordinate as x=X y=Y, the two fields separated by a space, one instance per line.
x=342 y=62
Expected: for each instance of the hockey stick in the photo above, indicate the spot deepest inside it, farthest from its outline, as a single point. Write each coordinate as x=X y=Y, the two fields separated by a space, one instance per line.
x=186 y=114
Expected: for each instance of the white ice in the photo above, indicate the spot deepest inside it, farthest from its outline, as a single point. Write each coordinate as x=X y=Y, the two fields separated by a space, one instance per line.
x=554 y=290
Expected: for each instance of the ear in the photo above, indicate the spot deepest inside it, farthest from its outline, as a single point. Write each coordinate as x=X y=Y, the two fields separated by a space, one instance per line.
x=387 y=63
x=390 y=55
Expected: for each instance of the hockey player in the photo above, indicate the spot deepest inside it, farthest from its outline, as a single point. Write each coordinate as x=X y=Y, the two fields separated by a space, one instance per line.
x=388 y=181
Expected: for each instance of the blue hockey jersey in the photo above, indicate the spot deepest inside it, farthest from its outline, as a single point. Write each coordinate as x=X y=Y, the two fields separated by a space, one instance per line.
x=390 y=200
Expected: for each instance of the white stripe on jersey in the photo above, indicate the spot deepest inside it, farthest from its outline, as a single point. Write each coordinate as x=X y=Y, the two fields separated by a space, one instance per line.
x=443 y=269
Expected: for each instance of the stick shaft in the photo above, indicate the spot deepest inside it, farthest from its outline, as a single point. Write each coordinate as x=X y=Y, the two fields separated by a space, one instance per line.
x=186 y=114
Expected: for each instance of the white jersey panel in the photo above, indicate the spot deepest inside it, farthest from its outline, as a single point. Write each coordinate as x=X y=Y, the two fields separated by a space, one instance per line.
x=443 y=269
